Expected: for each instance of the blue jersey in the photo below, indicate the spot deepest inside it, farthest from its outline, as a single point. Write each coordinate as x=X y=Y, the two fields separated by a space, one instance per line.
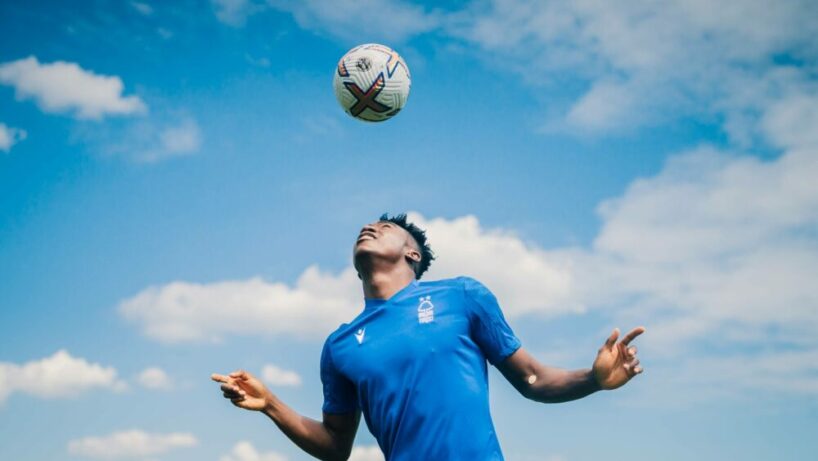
x=416 y=366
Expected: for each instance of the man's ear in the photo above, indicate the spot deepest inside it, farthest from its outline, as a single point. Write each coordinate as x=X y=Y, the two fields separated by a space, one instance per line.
x=412 y=254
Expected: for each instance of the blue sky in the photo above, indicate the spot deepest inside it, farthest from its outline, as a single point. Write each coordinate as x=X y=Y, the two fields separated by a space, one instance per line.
x=179 y=194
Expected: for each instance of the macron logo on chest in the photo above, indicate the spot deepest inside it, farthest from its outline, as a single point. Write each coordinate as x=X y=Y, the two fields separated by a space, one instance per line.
x=360 y=335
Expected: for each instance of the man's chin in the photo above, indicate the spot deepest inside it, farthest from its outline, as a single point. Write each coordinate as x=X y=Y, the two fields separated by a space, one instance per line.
x=361 y=248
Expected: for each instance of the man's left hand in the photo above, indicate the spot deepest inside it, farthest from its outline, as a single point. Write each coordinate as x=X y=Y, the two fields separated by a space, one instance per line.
x=616 y=362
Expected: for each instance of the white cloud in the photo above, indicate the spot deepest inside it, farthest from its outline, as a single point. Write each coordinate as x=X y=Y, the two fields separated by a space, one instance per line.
x=10 y=136
x=60 y=375
x=155 y=378
x=142 y=8
x=792 y=122
x=133 y=443
x=645 y=62
x=154 y=139
x=61 y=87
x=524 y=278
x=715 y=242
x=245 y=451
x=367 y=453
x=730 y=377
x=181 y=311
x=391 y=20
x=276 y=376
x=717 y=253
x=235 y=12
x=606 y=106
x=182 y=139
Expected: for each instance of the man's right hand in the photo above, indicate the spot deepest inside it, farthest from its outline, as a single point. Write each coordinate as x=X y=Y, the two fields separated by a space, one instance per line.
x=244 y=390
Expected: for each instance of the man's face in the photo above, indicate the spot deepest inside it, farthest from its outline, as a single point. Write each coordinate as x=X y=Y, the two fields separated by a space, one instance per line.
x=385 y=240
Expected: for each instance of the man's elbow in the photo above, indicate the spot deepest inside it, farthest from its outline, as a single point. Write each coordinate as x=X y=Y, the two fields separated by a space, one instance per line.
x=528 y=391
x=339 y=456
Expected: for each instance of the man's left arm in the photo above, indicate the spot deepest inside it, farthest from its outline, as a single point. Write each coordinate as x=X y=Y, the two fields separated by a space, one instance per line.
x=616 y=364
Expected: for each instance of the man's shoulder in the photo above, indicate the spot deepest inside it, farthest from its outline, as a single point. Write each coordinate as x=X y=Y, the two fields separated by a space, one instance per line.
x=469 y=286
x=462 y=281
x=345 y=329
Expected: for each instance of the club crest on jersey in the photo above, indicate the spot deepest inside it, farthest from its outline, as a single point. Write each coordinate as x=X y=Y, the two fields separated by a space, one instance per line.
x=426 y=310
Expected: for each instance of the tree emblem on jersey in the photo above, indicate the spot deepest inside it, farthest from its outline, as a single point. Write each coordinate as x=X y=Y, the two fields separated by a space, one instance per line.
x=366 y=100
x=426 y=310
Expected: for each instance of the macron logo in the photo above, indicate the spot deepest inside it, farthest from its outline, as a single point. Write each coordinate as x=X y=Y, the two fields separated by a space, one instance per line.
x=360 y=335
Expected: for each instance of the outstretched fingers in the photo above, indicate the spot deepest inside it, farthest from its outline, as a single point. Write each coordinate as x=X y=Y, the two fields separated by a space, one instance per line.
x=219 y=378
x=632 y=335
x=239 y=374
x=632 y=368
x=609 y=343
x=229 y=387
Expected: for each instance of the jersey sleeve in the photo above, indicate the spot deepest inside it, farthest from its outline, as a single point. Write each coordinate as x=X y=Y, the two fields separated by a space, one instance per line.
x=489 y=328
x=339 y=392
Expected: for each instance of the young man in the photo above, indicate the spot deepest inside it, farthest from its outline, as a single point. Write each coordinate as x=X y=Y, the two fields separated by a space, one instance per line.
x=414 y=362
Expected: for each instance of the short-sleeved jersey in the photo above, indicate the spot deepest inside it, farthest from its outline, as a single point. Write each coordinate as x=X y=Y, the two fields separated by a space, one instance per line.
x=415 y=365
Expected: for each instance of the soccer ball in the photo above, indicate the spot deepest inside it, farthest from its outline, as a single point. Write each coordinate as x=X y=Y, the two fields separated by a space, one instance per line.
x=372 y=82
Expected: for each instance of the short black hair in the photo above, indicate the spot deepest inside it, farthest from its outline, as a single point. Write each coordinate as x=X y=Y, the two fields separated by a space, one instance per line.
x=426 y=254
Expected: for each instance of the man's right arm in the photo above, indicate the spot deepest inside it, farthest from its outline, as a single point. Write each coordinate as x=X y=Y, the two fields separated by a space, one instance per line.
x=330 y=439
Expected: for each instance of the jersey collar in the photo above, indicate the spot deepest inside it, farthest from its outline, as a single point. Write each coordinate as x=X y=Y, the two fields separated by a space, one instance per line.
x=370 y=303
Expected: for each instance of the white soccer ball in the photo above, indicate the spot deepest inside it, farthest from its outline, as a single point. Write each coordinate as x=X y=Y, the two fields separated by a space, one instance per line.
x=372 y=82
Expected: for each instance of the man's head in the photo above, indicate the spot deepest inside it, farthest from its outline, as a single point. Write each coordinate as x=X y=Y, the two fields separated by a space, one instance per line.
x=393 y=239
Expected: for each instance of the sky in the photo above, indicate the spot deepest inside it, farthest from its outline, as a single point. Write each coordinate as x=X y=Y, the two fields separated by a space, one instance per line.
x=180 y=192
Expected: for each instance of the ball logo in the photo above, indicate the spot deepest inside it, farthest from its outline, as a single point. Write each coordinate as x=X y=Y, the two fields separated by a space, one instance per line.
x=426 y=310
x=364 y=64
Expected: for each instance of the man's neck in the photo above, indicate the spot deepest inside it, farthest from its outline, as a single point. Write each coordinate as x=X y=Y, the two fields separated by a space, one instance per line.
x=382 y=285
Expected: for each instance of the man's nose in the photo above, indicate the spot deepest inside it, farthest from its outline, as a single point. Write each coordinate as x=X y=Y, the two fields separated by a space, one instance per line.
x=369 y=228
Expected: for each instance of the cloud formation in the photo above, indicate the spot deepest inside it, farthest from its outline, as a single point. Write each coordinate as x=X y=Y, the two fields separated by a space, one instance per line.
x=235 y=12
x=390 y=19
x=245 y=451
x=130 y=444
x=160 y=137
x=366 y=453
x=522 y=276
x=525 y=278
x=631 y=65
x=155 y=378
x=143 y=8
x=65 y=87
x=276 y=376
x=10 y=136
x=645 y=62
x=181 y=311
x=181 y=139
x=716 y=243
x=58 y=376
